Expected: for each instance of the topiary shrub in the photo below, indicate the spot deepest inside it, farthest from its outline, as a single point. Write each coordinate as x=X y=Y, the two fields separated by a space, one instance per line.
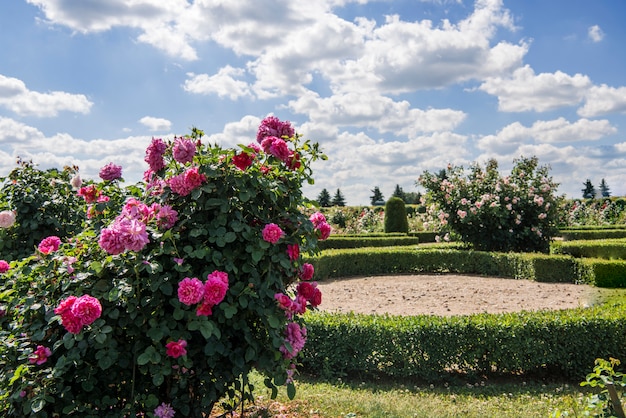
x=167 y=304
x=395 y=216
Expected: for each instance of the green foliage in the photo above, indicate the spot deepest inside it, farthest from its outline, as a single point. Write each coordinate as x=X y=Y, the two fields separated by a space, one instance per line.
x=119 y=364
x=605 y=378
x=494 y=213
x=395 y=216
x=593 y=234
x=563 y=343
x=44 y=204
x=596 y=248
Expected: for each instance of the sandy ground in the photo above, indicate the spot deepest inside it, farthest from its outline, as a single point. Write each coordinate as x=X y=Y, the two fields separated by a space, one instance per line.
x=449 y=294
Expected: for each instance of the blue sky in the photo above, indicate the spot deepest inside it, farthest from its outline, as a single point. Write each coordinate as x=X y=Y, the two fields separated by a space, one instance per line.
x=388 y=88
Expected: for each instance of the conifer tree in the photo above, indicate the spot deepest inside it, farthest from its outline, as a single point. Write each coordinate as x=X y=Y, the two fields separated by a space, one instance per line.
x=323 y=199
x=377 y=198
x=338 y=199
x=604 y=189
x=399 y=193
x=589 y=192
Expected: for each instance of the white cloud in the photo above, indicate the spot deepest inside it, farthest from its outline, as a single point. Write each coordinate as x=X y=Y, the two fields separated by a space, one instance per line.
x=224 y=83
x=16 y=97
x=156 y=124
x=378 y=112
x=526 y=91
x=595 y=33
x=602 y=100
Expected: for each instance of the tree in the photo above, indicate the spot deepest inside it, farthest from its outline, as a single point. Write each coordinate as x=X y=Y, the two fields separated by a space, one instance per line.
x=589 y=192
x=412 y=198
x=377 y=198
x=324 y=199
x=604 y=189
x=398 y=192
x=338 y=199
x=395 y=216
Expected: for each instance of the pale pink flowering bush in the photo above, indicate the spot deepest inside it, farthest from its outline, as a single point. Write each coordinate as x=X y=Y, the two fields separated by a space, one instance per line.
x=272 y=233
x=49 y=244
x=40 y=355
x=184 y=150
x=7 y=218
x=111 y=172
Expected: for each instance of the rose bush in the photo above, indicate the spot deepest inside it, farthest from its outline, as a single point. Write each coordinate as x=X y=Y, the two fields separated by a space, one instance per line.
x=518 y=212
x=174 y=291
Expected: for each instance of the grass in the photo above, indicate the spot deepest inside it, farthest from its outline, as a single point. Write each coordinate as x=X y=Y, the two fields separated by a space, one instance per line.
x=344 y=399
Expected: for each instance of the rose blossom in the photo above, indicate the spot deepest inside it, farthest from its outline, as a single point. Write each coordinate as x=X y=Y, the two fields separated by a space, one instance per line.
x=164 y=410
x=7 y=218
x=87 y=309
x=272 y=233
x=176 y=349
x=154 y=154
x=325 y=230
x=272 y=126
x=215 y=288
x=296 y=337
x=306 y=271
x=184 y=150
x=190 y=291
x=49 y=245
x=293 y=250
x=243 y=160
x=89 y=193
x=76 y=182
x=111 y=172
x=4 y=266
x=40 y=355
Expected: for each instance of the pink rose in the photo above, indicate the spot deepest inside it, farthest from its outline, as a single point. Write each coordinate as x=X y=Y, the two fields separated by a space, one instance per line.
x=243 y=160
x=7 y=218
x=272 y=233
x=306 y=271
x=87 y=309
x=40 y=355
x=296 y=337
x=49 y=245
x=325 y=230
x=272 y=126
x=154 y=154
x=89 y=193
x=293 y=250
x=215 y=289
x=190 y=291
x=176 y=349
x=184 y=150
x=111 y=172
x=4 y=266
x=317 y=219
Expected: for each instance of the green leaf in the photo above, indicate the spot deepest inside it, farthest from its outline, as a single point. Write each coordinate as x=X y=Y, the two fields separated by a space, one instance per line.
x=206 y=329
x=144 y=358
x=230 y=311
x=291 y=390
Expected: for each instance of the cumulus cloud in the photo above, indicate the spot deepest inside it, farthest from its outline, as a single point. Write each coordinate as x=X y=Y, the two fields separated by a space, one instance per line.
x=223 y=84
x=156 y=124
x=17 y=98
x=595 y=33
x=526 y=91
x=602 y=100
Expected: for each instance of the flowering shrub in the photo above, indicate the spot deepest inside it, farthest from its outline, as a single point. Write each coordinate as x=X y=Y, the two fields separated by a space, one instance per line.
x=494 y=213
x=35 y=204
x=173 y=292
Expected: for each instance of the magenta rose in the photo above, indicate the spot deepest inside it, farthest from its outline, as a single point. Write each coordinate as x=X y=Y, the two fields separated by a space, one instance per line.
x=190 y=291
x=272 y=233
x=111 y=172
x=49 y=245
x=40 y=355
x=176 y=349
x=4 y=266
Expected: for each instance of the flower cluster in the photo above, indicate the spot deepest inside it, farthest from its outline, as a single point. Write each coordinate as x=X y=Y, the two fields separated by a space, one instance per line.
x=272 y=126
x=186 y=182
x=128 y=232
x=4 y=266
x=154 y=154
x=184 y=150
x=319 y=222
x=208 y=294
x=295 y=338
x=78 y=312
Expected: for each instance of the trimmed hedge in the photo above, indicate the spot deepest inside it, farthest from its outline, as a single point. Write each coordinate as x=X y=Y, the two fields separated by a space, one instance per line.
x=605 y=248
x=412 y=260
x=337 y=241
x=596 y=233
x=560 y=343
